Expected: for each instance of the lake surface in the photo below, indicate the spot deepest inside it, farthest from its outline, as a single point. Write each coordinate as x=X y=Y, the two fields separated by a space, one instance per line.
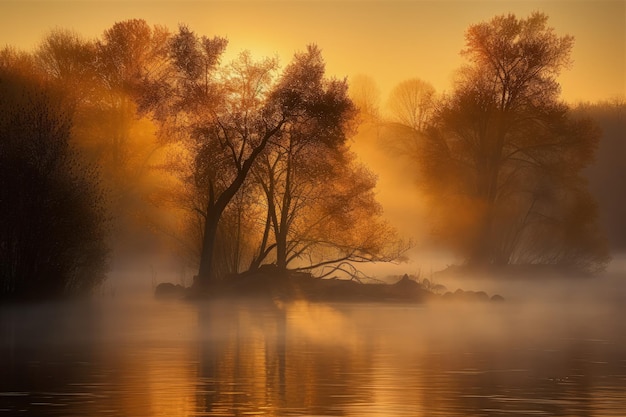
x=563 y=355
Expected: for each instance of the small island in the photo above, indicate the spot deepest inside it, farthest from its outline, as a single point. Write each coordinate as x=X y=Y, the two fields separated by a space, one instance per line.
x=268 y=282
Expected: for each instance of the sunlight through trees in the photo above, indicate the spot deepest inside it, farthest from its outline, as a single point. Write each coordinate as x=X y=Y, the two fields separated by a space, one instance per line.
x=250 y=163
x=503 y=148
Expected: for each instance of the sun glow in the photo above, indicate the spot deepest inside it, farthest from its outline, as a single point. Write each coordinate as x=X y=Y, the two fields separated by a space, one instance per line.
x=390 y=41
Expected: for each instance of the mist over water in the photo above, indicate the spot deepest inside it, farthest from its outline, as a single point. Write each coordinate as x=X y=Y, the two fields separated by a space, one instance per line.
x=167 y=156
x=555 y=347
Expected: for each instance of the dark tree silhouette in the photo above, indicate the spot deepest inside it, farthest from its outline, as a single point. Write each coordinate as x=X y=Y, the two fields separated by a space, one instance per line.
x=227 y=116
x=503 y=156
x=104 y=78
x=221 y=118
x=52 y=223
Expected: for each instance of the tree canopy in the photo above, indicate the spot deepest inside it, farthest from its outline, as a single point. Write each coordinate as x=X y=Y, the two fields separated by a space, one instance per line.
x=503 y=147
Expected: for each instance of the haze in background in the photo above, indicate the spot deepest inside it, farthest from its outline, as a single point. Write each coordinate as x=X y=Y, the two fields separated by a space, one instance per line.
x=389 y=41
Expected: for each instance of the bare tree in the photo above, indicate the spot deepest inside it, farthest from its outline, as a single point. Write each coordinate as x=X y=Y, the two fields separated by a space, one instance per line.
x=412 y=103
x=365 y=94
x=227 y=116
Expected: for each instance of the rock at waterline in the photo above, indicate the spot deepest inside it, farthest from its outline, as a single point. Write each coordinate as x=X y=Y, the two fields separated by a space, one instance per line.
x=169 y=290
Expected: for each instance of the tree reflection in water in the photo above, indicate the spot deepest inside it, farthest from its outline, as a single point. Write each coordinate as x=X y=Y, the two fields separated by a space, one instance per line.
x=358 y=360
x=264 y=358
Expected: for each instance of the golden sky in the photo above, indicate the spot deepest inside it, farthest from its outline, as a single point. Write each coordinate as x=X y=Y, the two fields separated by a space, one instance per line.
x=389 y=40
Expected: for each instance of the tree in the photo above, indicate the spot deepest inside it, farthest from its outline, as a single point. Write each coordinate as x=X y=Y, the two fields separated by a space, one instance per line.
x=128 y=52
x=104 y=77
x=52 y=221
x=124 y=143
x=365 y=94
x=503 y=147
x=227 y=117
x=412 y=103
x=69 y=60
x=318 y=198
x=296 y=162
x=332 y=220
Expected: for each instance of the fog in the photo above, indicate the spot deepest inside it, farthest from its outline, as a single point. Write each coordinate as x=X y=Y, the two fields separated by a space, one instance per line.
x=244 y=196
x=555 y=347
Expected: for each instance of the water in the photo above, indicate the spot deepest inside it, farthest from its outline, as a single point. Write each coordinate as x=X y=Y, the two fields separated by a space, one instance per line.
x=141 y=357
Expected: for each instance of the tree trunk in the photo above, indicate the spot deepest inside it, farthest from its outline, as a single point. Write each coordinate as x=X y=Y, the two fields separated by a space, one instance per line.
x=283 y=228
x=485 y=251
x=215 y=208
x=206 y=275
x=281 y=251
x=481 y=253
x=256 y=262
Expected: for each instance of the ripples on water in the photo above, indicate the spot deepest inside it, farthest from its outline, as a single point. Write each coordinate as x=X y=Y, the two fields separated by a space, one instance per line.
x=149 y=358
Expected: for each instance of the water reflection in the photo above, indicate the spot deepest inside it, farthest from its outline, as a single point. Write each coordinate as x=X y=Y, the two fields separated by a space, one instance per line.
x=270 y=359
x=359 y=360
